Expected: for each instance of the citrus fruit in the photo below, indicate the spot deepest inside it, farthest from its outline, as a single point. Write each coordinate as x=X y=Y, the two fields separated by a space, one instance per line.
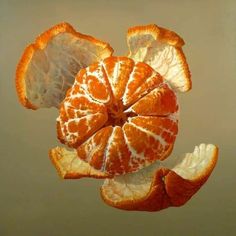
x=120 y=115
x=162 y=50
x=157 y=187
x=48 y=66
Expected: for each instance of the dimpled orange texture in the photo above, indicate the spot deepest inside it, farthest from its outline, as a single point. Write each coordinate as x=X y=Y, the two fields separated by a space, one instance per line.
x=120 y=115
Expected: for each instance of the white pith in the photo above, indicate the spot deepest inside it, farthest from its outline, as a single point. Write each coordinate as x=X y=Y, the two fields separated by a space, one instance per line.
x=162 y=57
x=137 y=185
x=52 y=70
x=69 y=163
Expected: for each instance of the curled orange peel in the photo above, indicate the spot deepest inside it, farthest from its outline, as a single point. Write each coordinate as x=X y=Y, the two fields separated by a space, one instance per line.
x=162 y=50
x=157 y=188
x=33 y=89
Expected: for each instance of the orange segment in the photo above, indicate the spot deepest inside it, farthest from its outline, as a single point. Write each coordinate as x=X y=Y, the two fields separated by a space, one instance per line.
x=78 y=104
x=155 y=188
x=161 y=101
x=141 y=81
x=80 y=115
x=69 y=166
x=93 y=150
x=48 y=67
x=96 y=84
x=118 y=70
x=97 y=89
x=150 y=138
x=75 y=131
x=162 y=50
x=164 y=126
x=107 y=151
x=117 y=159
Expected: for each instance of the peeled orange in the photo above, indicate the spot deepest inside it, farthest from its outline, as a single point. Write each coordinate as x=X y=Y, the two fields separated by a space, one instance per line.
x=105 y=117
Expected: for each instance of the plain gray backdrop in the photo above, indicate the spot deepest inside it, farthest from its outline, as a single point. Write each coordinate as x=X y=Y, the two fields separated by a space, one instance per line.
x=34 y=201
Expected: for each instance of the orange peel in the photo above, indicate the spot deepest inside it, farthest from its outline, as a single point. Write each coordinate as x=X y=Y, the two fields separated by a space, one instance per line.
x=48 y=66
x=156 y=187
x=162 y=50
x=69 y=166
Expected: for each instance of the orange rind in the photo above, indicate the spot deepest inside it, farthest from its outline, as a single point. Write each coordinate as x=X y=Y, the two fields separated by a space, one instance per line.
x=69 y=166
x=162 y=50
x=48 y=66
x=156 y=187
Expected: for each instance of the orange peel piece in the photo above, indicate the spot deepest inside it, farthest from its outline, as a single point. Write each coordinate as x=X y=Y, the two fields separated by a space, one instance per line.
x=162 y=50
x=156 y=187
x=70 y=166
x=48 y=66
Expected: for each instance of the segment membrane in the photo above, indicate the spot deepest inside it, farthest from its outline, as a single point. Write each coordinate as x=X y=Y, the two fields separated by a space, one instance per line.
x=160 y=101
x=118 y=70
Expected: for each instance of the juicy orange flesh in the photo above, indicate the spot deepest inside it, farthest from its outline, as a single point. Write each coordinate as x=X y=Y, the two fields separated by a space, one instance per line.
x=116 y=151
x=119 y=122
x=160 y=102
x=118 y=74
x=97 y=89
x=93 y=149
x=152 y=137
x=144 y=79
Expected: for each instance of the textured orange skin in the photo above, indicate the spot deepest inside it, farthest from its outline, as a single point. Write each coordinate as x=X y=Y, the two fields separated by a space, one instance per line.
x=20 y=72
x=165 y=36
x=40 y=43
x=162 y=34
x=167 y=189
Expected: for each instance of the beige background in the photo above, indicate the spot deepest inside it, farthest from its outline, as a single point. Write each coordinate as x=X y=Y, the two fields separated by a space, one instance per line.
x=33 y=199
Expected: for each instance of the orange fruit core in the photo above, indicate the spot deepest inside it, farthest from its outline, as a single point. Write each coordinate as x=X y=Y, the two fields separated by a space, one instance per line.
x=117 y=115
